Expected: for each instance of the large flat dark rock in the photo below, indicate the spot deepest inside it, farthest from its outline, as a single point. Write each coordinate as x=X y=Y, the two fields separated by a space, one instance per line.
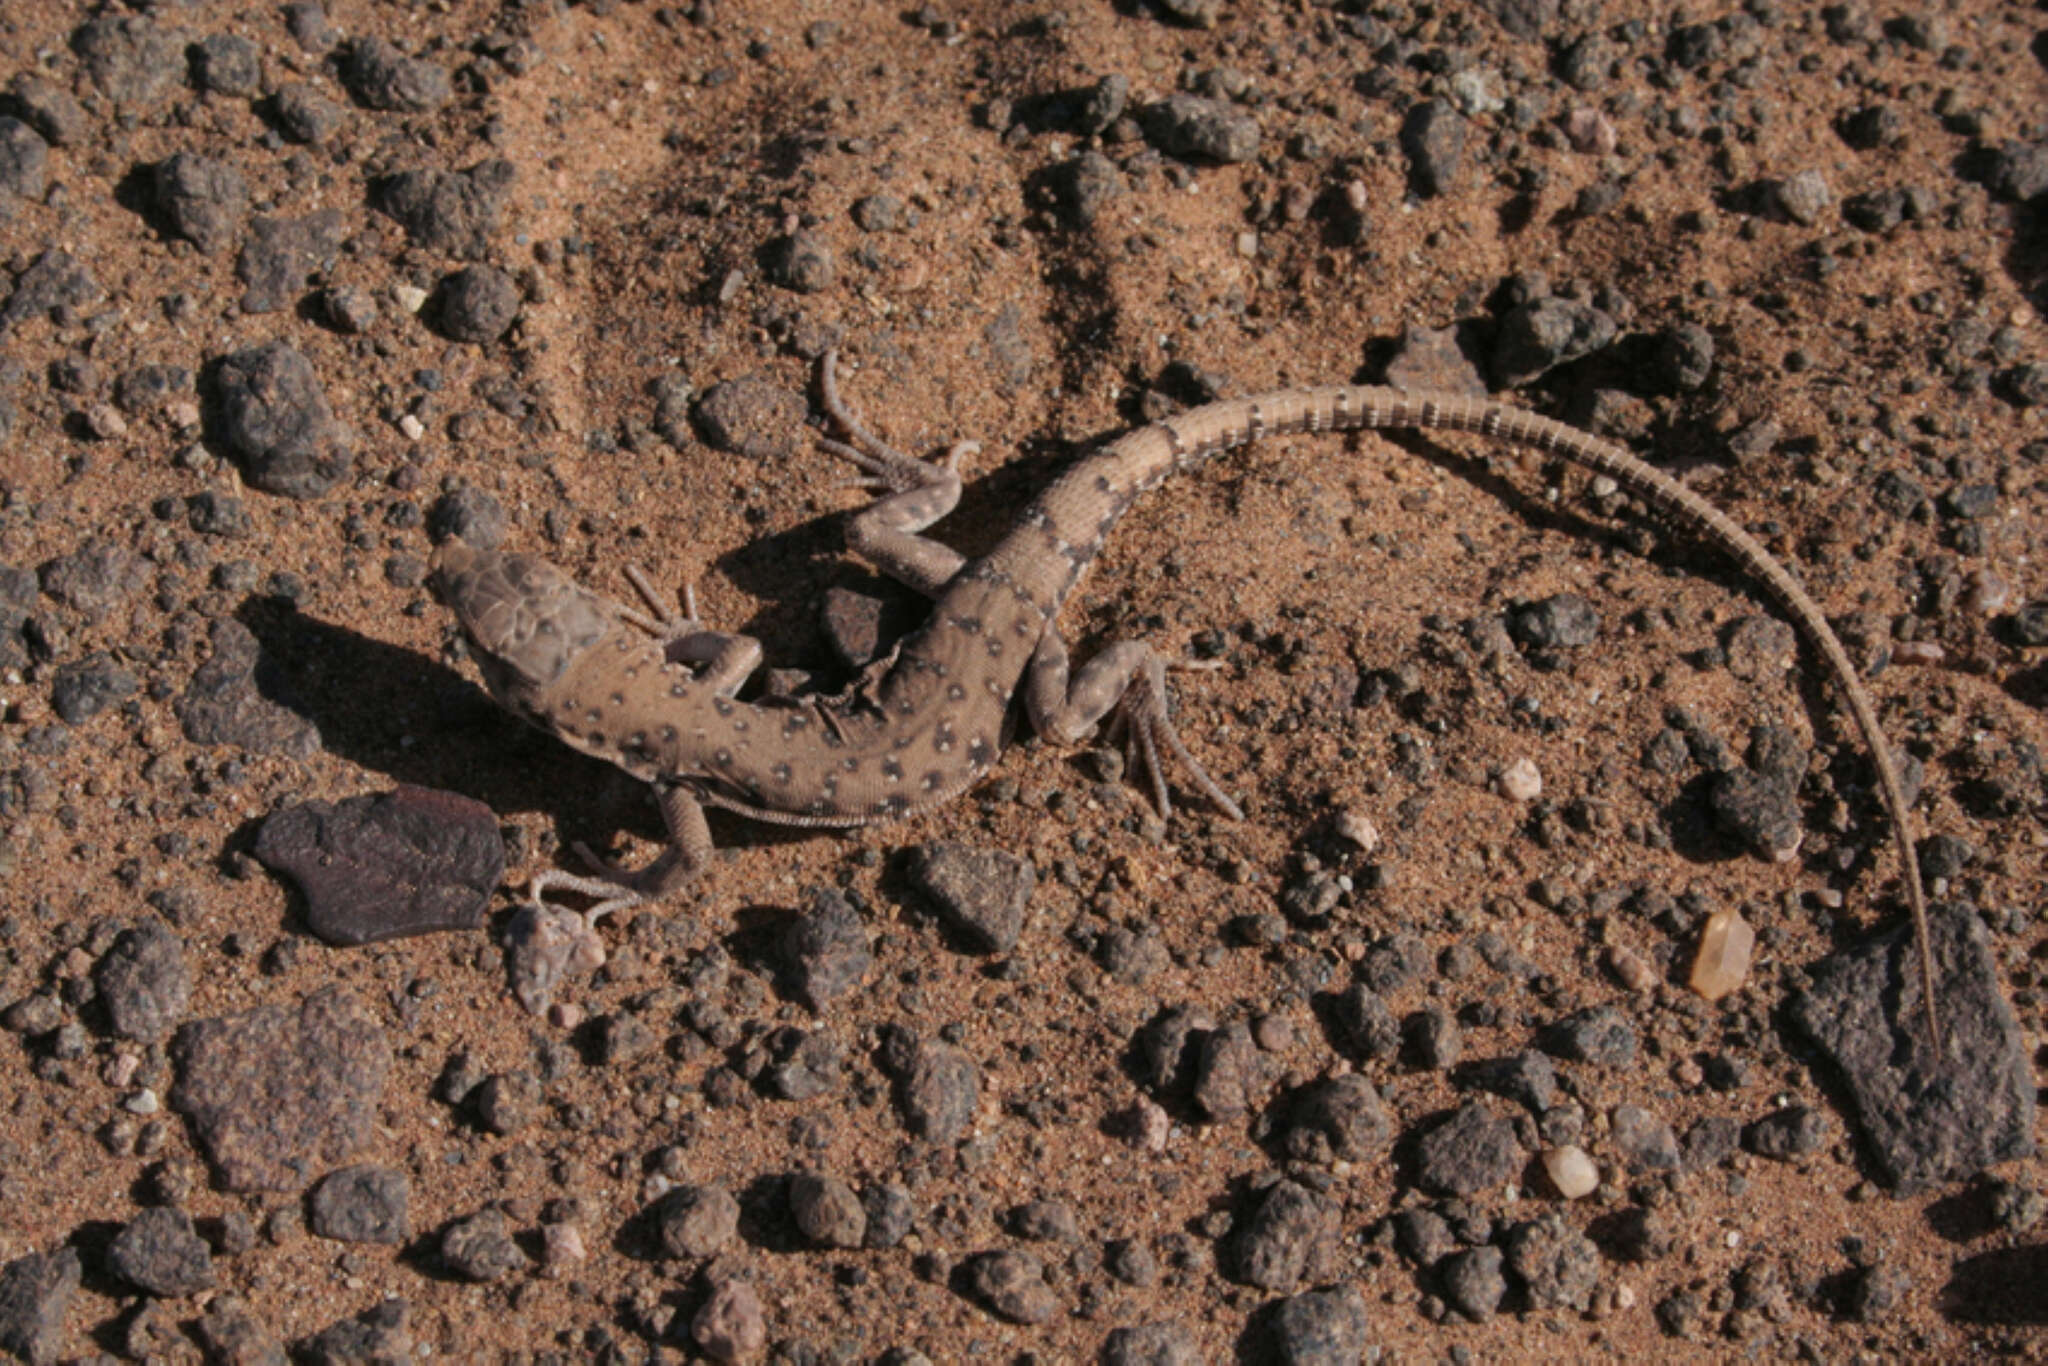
x=1926 y=1117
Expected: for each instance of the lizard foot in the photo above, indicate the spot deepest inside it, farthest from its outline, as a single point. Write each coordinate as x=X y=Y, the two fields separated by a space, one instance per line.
x=546 y=946
x=1149 y=736
x=660 y=619
x=887 y=469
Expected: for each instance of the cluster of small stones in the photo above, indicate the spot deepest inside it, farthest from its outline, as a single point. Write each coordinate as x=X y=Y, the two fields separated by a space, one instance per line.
x=302 y=196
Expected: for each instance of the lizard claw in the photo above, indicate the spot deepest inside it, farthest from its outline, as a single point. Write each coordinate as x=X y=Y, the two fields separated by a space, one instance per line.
x=1150 y=736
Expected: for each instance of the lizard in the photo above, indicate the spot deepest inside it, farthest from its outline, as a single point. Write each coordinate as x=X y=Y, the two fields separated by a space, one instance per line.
x=656 y=694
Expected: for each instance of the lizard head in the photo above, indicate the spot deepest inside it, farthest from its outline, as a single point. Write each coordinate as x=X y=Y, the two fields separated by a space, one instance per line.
x=526 y=619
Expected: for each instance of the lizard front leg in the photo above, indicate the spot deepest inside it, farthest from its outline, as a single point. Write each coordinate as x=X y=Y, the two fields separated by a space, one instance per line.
x=724 y=659
x=1126 y=682
x=918 y=493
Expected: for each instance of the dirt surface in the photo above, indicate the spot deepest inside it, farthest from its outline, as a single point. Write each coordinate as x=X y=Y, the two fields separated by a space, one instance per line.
x=1798 y=259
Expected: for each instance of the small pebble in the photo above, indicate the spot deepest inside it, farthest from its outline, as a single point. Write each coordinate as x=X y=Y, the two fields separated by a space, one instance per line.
x=1572 y=1170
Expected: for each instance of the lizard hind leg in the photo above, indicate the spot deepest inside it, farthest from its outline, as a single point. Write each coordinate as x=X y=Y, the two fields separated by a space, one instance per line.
x=547 y=944
x=1124 y=684
x=913 y=494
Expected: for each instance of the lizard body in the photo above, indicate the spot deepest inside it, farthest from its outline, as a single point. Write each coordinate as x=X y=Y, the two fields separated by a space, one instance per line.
x=656 y=696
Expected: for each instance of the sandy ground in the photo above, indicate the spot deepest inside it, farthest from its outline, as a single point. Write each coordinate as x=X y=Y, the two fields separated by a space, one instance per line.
x=1867 y=404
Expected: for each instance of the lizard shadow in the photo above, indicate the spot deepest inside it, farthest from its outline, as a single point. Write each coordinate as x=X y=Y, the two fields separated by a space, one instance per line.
x=394 y=712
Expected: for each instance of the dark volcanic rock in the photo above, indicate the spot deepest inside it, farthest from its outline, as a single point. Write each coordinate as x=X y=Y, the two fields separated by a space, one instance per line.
x=1467 y=1153
x=939 y=1092
x=1433 y=136
x=448 y=211
x=1341 y=1119
x=303 y=114
x=23 y=159
x=227 y=701
x=53 y=280
x=202 y=199
x=477 y=304
x=826 y=950
x=48 y=108
x=1192 y=128
x=361 y=1204
x=274 y=418
x=374 y=868
x=228 y=64
x=276 y=1093
x=130 y=58
x=481 y=1248
x=1289 y=1238
x=1925 y=1118
x=980 y=892
x=144 y=983
x=34 y=1292
x=1321 y=1328
x=384 y=78
x=1547 y=332
x=158 y=1251
x=281 y=253
x=376 y=1337
x=1559 y=1265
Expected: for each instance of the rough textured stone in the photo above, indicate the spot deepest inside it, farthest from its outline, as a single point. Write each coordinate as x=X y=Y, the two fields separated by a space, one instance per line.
x=982 y=893
x=448 y=211
x=34 y=1293
x=1925 y=1120
x=480 y=1247
x=275 y=419
x=1196 y=129
x=826 y=950
x=1321 y=1328
x=1338 y=1120
x=385 y=867
x=1468 y=1152
x=277 y=1093
x=281 y=253
x=731 y=1325
x=751 y=417
x=24 y=157
x=229 y=700
x=362 y=1204
x=827 y=1211
x=696 y=1221
x=201 y=199
x=1011 y=1285
x=132 y=60
x=940 y=1092
x=1288 y=1239
x=379 y=1336
x=144 y=982
x=383 y=77
x=1545 y=333
x=477 y=304
x=53 y=280
x=157 y=1251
